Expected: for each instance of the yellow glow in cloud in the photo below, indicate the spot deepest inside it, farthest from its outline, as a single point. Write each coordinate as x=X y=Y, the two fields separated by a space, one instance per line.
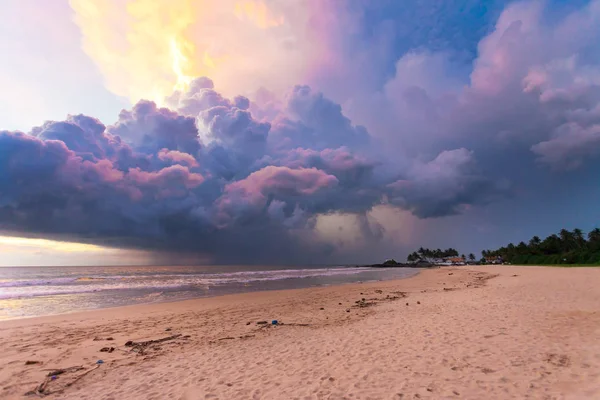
x=258 y=13
x=65 y=247
x=140 y=46
x=146 y=49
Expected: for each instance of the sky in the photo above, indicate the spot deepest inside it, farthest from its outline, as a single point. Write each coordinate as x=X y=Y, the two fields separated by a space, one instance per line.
x=293 y=132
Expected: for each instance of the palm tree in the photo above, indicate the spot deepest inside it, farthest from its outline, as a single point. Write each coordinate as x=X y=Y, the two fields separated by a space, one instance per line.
x=551 y=245
x=567 y=239
x=471 y=257
x=535 y=242
x=567 y=247
x=578 y=238
x=594 y=235
x=594 y=239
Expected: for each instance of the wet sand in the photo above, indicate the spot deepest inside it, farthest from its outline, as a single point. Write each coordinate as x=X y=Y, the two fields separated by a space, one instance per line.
x=468 y=332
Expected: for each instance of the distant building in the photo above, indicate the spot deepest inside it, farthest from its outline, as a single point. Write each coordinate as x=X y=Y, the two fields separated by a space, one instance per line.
x=494 y=260
x=456 y=260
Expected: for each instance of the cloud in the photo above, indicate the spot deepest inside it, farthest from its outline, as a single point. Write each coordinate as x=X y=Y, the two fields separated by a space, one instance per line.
x=533 y=79
x=443 y=186
x=177 y=157
x=148 y=128
x=253 y=163
x=292 y=190
x=209 y=178
x=569 y=146
x=242 y=45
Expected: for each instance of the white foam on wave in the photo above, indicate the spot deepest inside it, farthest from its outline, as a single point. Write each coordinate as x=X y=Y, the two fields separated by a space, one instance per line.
x=89 y=284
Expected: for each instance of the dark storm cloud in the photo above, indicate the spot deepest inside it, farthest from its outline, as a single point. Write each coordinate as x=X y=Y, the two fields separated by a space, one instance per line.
x=207 y=177
x=444 y=186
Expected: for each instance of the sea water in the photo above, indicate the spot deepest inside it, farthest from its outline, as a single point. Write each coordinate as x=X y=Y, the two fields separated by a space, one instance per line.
x=36 y=291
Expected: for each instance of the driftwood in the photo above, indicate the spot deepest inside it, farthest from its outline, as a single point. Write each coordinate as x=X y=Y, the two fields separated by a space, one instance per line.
x=60 y=371
x=78 y=377
x=141 y=346
x=42 y=389
x=149 y=342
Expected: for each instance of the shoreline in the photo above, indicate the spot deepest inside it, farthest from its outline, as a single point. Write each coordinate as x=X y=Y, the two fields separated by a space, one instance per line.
x=474 y=331
x=414 y=271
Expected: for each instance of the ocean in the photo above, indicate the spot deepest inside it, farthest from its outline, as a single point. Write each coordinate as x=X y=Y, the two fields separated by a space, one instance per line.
x=36 y=291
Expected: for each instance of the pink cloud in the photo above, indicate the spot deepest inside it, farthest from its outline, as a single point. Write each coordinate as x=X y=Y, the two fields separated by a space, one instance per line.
x=173 y=175
x=177 y=157
x=283 y=180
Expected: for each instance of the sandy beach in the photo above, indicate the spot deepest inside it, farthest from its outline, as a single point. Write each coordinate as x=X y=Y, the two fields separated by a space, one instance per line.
x=465 y=333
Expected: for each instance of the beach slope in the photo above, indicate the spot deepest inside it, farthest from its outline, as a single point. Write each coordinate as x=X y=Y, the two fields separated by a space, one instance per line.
x=467 y=332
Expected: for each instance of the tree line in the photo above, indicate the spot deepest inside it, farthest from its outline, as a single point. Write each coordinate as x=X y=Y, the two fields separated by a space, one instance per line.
x=424 y=253
x=566 y=247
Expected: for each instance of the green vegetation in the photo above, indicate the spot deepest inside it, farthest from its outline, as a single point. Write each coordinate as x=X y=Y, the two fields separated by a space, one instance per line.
x=428 y=254
x=567 y=248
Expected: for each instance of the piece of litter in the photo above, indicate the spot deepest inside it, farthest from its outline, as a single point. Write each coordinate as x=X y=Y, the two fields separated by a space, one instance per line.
x=99 y=362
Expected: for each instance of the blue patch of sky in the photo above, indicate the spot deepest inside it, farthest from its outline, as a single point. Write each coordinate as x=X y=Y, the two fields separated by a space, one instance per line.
x=453 y=26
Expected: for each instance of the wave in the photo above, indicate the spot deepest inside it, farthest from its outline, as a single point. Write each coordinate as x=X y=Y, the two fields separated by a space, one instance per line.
x=36 y=282
x=88 y=284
